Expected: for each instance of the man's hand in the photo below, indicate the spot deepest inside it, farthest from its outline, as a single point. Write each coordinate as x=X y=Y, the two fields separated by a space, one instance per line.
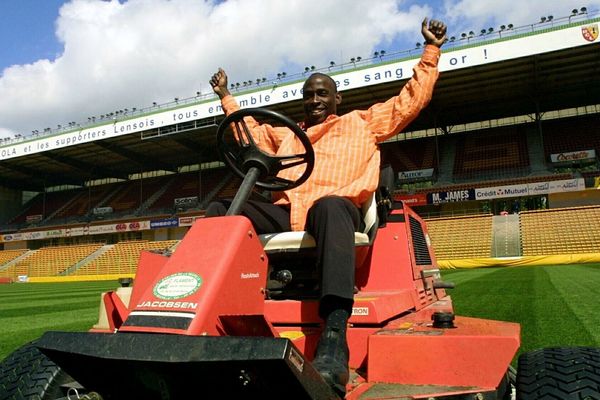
x=219 y=83
x=435 y=33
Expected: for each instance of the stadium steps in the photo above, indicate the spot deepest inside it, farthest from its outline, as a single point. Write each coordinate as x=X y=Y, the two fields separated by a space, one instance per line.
x=216 y=190
x=88 y=259
x=447 y=155
x=535 y=148
x=506 y=236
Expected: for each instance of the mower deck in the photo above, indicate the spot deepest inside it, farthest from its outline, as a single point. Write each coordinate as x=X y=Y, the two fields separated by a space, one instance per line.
x=163 y=366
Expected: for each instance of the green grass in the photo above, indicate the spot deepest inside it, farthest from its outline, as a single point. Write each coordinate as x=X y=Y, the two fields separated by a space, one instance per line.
x=28 y=310
x=555 y=305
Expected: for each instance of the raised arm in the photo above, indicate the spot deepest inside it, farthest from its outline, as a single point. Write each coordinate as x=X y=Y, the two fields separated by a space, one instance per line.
x=389 y=118
x=266 y=137
x=434 y=32
x=219 y=84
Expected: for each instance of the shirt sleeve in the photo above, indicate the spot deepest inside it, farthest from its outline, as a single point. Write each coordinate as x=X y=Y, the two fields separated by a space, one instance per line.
x=389 y=118
x=266 y=136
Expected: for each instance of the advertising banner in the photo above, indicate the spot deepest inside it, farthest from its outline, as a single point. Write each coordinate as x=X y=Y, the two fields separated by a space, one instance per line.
x=12 y=237
x=573 y=156
x=419 y=199
x=530 y=189
x=102 y=210
x=83 y=230
x=164 y=223
x=188 y=221
x=499 y=192
x=277 y=92
x=78 y=231
x=33 y=218
x=122 y=227
x=415 y=174
x=565 y=185
x=185 y=202
x=450 y=196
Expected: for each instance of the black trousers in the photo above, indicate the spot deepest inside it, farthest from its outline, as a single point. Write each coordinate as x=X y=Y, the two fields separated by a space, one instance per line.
x=332 y=221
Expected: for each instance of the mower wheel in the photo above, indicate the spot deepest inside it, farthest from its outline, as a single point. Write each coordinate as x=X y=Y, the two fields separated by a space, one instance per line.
x=559 y=373
x=28 y=374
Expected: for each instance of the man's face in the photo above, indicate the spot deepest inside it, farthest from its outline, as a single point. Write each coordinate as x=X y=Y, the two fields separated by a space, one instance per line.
x=320 y=98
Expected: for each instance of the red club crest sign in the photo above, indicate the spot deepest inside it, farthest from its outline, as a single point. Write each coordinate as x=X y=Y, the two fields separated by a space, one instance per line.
x=590 y=32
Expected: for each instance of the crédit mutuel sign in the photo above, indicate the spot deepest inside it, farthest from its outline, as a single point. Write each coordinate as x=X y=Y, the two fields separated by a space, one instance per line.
x=452 y=59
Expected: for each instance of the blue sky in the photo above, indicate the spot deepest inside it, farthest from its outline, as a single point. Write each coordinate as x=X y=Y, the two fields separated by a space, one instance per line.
x=64 y=60
x=27 y=31
x=28 y=34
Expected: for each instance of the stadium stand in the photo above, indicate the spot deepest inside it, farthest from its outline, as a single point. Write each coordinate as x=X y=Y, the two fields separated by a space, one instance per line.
x=50 y=261
x=571 y=134
x=43 y=204
x=83 y=203
x=191 y=184
x=498 y=151
x=461 y=237
x=7 y=256
x=130 y=196
x=473 y=135
x=570 y=230
x=229 y=190
x=409 y=155
x=122 y=258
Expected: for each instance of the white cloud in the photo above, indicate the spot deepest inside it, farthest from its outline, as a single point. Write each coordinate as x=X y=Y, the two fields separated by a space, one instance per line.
x=477 y=14
x=131 y=54
x=122 y=55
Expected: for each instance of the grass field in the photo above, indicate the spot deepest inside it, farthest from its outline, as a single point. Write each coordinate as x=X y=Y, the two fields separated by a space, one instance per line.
x=555 y=305
x=28 y=310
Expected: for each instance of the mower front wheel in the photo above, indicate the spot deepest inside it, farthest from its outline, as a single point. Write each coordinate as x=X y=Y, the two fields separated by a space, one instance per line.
x=28 y=374
x=559 y=373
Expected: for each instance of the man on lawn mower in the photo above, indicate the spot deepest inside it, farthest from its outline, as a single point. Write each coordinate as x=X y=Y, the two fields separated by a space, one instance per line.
x=345 y=175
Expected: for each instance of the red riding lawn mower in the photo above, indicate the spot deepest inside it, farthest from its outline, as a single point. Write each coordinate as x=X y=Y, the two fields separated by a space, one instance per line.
x=231 y=314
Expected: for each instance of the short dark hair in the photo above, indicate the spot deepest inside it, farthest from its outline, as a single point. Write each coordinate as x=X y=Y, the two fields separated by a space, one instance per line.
x=322 y=75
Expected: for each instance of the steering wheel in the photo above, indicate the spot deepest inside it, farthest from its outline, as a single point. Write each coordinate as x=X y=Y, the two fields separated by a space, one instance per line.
x=246 y=154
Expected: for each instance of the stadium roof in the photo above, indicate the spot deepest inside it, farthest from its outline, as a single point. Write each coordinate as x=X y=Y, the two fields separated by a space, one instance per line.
x=562 y=79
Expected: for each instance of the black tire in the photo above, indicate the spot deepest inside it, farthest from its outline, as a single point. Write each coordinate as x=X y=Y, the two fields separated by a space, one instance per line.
x=559 y=373
x=28 y=374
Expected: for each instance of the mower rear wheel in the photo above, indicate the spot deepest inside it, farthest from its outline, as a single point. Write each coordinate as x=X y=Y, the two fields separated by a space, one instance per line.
x=28 y=374
x=559 y=373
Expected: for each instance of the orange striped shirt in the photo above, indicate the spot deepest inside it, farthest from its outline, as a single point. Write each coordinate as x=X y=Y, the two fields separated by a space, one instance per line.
x=347 y=158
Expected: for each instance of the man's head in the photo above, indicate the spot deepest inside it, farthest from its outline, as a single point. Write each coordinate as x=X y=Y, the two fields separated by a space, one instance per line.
x=320 y=98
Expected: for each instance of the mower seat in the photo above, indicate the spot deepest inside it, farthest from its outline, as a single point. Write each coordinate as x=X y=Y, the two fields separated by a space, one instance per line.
x=298 y=240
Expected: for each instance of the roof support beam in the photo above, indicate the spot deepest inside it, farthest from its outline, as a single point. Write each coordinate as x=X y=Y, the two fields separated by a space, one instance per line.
x=38 y=178
x=148 y=163
x=91 y=170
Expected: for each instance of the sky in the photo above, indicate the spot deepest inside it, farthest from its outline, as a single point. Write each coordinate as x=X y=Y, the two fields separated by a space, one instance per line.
x=63 y=61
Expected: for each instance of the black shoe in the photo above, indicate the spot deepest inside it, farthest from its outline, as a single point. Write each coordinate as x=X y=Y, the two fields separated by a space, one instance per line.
x=331 y=360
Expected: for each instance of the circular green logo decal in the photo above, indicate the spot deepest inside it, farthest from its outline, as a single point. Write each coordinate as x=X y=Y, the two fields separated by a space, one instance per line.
x=177 y=286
